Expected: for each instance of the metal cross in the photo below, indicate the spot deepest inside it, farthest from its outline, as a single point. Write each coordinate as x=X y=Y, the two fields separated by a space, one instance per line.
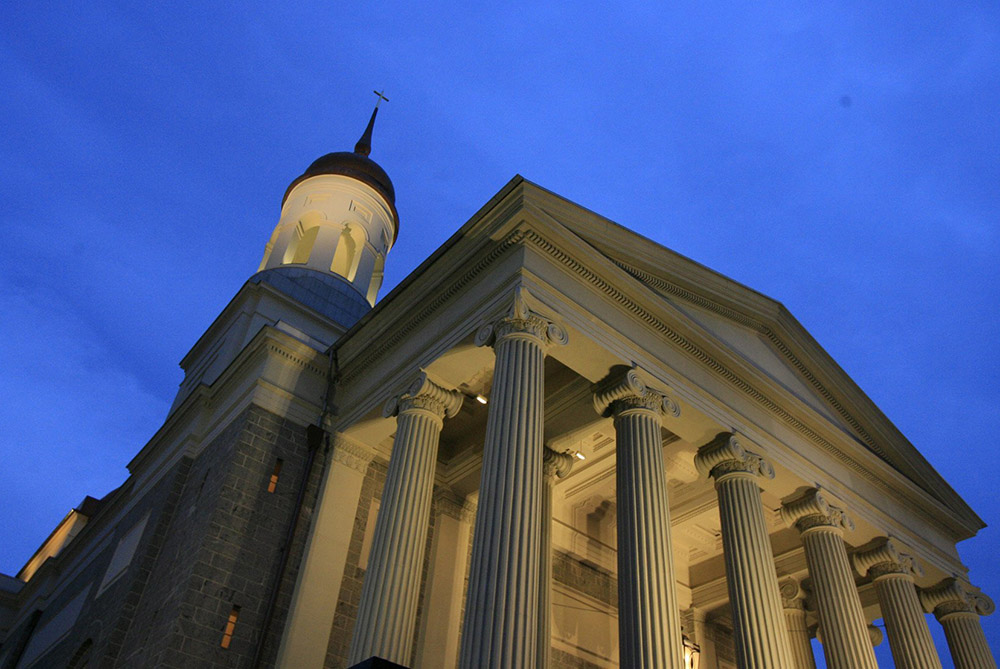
x=381 y=96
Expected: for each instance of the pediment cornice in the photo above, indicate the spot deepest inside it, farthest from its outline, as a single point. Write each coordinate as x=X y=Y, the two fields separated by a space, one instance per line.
x=772 y=321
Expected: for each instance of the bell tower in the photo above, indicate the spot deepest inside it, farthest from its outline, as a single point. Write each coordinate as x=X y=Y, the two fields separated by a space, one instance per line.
x=322 y=268
x=338 y=219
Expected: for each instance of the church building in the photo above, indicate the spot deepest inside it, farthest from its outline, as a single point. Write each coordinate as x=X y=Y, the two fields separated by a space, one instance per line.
x=555 y=444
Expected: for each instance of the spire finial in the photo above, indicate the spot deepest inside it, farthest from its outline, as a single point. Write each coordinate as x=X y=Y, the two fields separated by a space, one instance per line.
x=364 y=145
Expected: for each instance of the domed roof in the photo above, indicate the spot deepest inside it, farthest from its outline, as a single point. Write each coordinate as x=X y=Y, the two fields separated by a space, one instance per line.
x=357 y=165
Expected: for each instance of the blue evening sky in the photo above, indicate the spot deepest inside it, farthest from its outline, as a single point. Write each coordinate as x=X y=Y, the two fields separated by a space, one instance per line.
x=841 y=157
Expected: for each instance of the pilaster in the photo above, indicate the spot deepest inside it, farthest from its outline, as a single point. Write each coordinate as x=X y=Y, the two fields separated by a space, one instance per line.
x=314 y=601
x=441 y=617
x=554 y=465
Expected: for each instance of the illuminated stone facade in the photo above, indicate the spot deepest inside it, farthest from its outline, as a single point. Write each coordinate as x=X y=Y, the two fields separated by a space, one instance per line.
x=336 y=482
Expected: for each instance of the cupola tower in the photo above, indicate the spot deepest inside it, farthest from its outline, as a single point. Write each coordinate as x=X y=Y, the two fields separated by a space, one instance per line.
x=338 y=221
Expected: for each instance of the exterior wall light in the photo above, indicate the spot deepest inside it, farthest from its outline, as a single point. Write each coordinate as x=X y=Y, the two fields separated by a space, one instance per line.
x=692 y=654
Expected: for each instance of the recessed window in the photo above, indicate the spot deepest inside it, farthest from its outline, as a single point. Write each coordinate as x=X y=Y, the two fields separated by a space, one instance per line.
x=272 y=484
x=301 y=245
x=227 y=636
x=343 y=255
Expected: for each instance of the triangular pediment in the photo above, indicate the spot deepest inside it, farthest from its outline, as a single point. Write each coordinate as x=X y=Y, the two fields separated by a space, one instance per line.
x=753 y=327
x=745 y=339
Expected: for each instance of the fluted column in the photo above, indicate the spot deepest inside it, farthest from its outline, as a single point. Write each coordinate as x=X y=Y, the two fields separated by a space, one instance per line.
x=501 y=612
x=649 y=625
x=388 y=609
x=957 y=606
x=758 y=621
x=553 y=465
x=892 y=573
x=846 y=644
x=793 y=603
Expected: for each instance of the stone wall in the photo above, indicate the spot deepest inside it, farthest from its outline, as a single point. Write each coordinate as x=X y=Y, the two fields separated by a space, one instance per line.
x=106 y=614
x=222 y=549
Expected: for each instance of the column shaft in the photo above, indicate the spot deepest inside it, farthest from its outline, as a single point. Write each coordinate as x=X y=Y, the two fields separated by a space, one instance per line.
x=957 y=606
x=648 y=613
x=501 y=613
x=798 y=638
x=966 y=641
x=752 y=582
x=389 y=597
x=545 y=569
x=909 y=636
x=846 y=644
x=761 y=640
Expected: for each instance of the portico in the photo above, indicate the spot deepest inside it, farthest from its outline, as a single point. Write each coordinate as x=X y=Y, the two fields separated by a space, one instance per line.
x=727 y=457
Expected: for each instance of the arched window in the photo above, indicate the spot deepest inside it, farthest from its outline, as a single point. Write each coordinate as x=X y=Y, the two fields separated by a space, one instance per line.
x=301 y=245
x=376 y=282
x=348 y=253
x=269 y=247
x=343 y=256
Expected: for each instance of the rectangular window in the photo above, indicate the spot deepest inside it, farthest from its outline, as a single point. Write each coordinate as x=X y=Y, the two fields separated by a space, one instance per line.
x=273 y=483
x=227 y=636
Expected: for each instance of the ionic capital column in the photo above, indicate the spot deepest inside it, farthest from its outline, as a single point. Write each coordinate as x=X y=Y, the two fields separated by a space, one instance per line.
x=957 y=606
x=554 y=465
x=388 y=609
x=793 y=602
x=846 y=644
x=649 y=625
x=501 y=612
x=892 y=572
x=758 y=621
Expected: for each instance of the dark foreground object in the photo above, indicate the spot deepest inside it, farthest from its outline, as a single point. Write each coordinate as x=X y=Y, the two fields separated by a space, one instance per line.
x=377 y=663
